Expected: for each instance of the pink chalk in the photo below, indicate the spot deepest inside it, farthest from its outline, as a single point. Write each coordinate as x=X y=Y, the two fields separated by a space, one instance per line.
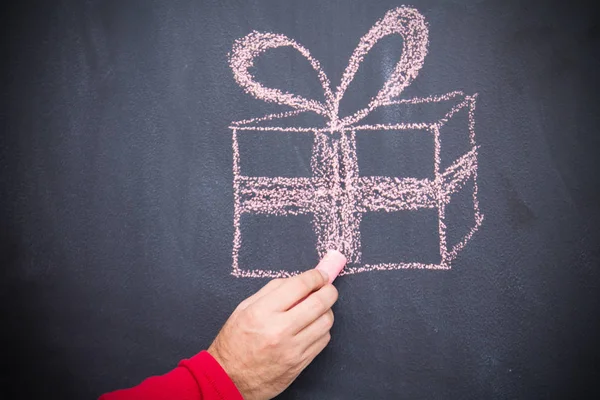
x=332 y=263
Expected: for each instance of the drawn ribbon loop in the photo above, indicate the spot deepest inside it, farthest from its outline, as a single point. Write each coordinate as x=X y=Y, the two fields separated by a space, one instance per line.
x=405 y=21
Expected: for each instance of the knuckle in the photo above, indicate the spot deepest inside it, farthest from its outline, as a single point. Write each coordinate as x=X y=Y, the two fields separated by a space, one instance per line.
x=333 y=292
x=243 y=305
x=275 y=282
x=329 y=319
x=292 y=357
x=267 y=287
x=319 y=302
x=325 y=298
x=252 y=316
x=272 y=339
x=275 y=335
x=272 y=284
x=329 y=295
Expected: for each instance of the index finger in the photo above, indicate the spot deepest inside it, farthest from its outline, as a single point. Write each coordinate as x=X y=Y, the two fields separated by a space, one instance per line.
x=268 y=288
x=293 y=289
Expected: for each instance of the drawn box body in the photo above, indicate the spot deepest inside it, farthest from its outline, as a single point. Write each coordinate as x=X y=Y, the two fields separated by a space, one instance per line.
x=339 y=197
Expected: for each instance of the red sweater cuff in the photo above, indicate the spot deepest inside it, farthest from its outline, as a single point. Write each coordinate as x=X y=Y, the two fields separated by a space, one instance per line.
x=199 y=378
x=205 y=368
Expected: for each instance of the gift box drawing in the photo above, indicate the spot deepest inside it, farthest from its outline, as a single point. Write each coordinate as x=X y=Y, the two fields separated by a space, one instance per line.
x=336 y=196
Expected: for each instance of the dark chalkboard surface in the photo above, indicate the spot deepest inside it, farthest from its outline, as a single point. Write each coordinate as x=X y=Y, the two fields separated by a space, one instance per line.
x=465 y=193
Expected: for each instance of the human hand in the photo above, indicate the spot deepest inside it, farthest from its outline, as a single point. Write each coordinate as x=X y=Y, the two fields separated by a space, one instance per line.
x=274 y=334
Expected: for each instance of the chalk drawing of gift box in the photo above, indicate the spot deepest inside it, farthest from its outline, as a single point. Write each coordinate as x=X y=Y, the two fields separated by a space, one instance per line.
x=336 y=195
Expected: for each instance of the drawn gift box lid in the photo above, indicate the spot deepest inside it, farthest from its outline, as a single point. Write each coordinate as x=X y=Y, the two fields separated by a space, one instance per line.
x=415 y=113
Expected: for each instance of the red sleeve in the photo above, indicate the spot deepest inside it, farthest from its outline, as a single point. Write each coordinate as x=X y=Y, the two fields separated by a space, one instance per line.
x=198 y=378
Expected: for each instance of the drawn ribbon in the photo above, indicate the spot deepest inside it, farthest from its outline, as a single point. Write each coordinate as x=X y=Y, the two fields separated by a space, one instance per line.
x=405 y=21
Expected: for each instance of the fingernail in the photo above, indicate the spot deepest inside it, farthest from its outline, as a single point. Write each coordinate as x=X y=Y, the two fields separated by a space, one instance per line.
x=323 y=273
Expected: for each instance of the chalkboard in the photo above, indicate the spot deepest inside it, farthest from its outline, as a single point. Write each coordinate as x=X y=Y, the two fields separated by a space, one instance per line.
x=161 y=160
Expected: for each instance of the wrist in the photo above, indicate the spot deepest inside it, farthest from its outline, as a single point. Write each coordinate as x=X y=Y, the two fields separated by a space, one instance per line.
x=235 y=374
